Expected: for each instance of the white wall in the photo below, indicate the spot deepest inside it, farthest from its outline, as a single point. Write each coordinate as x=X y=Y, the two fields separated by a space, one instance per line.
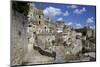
x=5 y=32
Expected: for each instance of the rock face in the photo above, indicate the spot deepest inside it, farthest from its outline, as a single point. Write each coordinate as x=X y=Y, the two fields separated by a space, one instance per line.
x=77 y=47
x=19 y=39
x=60 y=54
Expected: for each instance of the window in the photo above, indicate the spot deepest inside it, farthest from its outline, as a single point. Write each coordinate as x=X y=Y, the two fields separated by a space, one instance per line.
x=34 y=32
x=29 y=25
x=19 y=33
x=45 y=28
x=39 y=22
x=39 y=16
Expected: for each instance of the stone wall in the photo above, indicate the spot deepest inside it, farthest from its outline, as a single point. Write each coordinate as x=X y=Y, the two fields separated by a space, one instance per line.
x=18 y=38
x=45 y=41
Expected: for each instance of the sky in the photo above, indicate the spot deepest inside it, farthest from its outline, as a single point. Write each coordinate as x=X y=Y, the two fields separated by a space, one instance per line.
x=74 y=15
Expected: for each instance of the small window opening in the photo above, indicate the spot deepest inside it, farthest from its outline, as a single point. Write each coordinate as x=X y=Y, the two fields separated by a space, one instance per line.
x=34 y=32
x=19 y=33
x=39 y=16
x=29 y=25
x=39 y=22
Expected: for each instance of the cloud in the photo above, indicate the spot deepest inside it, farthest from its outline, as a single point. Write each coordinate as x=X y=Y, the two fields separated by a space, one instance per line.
x=66 y=13
x=92 y=27
x=72 y=6
x=52 y=11
x=90 y=20
x=60 y=19
x=79 y=11
x=78 y=26
x=69 y=23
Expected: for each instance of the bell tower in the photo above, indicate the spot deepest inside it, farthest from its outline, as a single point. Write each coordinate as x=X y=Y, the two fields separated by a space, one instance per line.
x=40 y=13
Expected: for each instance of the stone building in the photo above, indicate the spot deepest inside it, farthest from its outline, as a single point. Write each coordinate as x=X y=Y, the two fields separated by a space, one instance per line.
x=38 y=21
x=89 y=32
x=60 y=26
